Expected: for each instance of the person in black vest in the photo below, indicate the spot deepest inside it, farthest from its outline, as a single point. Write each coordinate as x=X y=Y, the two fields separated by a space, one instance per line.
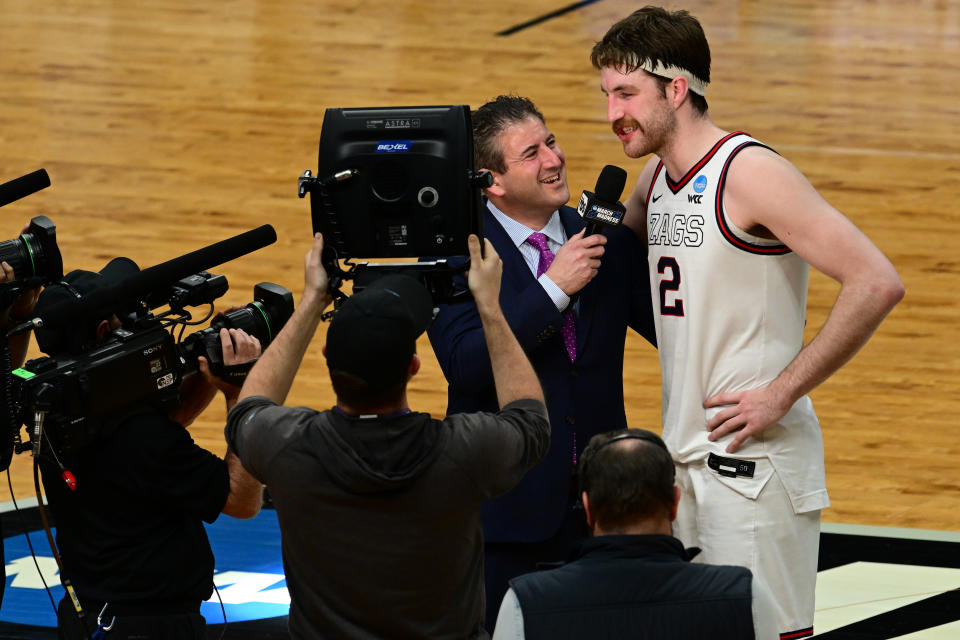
x=633 y=578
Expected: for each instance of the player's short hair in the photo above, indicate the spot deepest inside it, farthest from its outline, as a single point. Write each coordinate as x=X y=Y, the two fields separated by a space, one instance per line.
x=628 y=476
x=651 y=36
x=492 y=119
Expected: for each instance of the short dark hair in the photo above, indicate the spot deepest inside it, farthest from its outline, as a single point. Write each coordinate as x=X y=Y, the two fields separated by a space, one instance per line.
x=490 y=120
x=651 y=35
x=628 y=476
x=360 y=395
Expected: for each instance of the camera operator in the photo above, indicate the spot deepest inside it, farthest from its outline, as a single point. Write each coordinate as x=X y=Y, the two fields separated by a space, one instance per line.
x=11 y=316
x=379 y=506
x=131 y=533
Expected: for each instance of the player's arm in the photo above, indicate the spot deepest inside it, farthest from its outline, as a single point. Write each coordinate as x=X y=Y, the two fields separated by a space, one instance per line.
x=636 y=204
x=768 y=196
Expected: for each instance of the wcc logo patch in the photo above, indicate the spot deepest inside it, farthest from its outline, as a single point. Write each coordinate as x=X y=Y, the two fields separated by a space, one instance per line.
x=249 y=575
x=699 y=185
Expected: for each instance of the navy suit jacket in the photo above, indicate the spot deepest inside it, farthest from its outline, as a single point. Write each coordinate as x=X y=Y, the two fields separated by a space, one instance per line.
x=583 y=398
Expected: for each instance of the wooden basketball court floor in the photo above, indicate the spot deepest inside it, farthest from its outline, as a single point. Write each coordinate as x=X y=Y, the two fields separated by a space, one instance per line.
x=169 y=125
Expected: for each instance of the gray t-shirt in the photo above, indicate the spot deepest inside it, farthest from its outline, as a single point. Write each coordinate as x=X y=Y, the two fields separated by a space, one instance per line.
x=380 y=515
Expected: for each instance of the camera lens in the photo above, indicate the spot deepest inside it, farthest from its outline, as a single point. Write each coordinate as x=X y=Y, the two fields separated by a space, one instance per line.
x=34 y=256
x=263 y=318
x=23 y=254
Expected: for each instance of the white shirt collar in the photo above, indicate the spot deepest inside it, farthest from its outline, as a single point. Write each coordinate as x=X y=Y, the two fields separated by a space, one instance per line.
x=519 y=232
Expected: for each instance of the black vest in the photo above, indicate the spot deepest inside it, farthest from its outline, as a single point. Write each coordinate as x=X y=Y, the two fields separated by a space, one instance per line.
x=636 y=586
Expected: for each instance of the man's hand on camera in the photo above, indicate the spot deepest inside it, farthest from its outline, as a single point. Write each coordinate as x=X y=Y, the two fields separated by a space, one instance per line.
x=22 y=307
x=484 y=275
x=316 y=281
x=196 y=392
x=238 y=347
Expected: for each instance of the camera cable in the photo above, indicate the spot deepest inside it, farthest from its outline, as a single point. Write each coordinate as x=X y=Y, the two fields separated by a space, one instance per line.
x=67 y=585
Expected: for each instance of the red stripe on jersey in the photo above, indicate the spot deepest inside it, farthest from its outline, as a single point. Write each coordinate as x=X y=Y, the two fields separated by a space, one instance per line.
x=676 y=186
x=725 y=230
x=799 y=633
x=653 y=181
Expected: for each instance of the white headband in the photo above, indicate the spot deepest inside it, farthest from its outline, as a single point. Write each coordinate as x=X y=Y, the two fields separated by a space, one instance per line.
x=670 y=72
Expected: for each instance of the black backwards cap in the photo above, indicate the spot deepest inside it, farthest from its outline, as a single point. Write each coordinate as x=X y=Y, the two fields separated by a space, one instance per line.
x=74 y=286
x=373 y=335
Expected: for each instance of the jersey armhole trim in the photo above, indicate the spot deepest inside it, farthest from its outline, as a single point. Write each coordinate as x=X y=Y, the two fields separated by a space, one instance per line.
x=725 y=229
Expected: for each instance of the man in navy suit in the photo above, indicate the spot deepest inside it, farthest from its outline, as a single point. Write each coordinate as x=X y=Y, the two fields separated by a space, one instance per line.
x=569 y=299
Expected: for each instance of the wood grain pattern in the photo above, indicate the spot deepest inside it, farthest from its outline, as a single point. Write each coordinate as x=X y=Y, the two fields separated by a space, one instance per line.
x=166 y=126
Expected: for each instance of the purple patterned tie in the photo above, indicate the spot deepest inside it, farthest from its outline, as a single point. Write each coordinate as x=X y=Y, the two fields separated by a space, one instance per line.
x=569 y=330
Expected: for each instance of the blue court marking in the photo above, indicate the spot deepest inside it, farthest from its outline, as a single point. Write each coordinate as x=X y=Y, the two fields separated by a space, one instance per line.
x=249 y=574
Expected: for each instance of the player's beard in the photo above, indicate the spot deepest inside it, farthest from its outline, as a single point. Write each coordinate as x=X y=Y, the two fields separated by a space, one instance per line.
x=654 y=135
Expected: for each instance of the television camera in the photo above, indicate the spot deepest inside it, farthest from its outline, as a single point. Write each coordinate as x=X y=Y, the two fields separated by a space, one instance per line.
x=80 y=393
x=396 y=182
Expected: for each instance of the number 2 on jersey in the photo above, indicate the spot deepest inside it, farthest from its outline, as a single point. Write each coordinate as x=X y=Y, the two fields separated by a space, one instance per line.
x=672 y=285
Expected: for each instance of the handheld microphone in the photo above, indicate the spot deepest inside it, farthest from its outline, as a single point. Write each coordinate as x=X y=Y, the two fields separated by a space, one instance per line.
x=23 y=186
x=106 y=301
x=602 y=207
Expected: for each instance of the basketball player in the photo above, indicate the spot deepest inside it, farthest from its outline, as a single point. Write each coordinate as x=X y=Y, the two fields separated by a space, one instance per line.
x=731 y=228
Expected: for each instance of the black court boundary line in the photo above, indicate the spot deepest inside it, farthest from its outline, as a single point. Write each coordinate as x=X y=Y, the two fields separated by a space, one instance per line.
x=926 y=614
x=837 y=549
x=547 y=16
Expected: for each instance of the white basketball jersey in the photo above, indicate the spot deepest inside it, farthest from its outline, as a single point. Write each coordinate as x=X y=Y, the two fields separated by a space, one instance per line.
x=730 y=310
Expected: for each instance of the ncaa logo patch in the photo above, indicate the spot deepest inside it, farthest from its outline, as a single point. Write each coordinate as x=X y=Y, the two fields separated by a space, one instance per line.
x=700 y=184
x=394 y=146
x=249 y=575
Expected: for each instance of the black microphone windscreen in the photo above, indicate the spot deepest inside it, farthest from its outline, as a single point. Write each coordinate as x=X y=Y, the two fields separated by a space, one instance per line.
x=23 y=186
x=200 y=260
x=102 y=303
x=610 y=183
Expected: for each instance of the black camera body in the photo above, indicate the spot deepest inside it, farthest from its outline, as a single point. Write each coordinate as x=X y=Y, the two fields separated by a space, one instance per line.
x=396 y=182
x=80 y=397
x=83 y=396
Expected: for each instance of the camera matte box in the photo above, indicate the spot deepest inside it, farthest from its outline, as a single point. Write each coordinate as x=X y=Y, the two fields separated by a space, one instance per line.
x=412 y=194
